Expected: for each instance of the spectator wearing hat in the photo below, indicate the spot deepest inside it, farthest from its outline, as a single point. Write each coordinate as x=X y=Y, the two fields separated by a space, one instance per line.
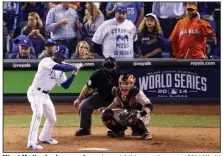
x=50 y=47
x=168 y=14
x=117 y=36
x=22 y=49
x=188 y=39
x=62 y=22
x=150 y=37
x=135 y=11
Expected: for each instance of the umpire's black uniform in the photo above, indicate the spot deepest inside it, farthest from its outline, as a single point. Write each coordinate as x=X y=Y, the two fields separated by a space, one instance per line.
x=102 y=80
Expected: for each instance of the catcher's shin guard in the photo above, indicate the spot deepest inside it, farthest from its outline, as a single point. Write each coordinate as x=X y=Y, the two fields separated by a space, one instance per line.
x=139 y=126
x=109 y=121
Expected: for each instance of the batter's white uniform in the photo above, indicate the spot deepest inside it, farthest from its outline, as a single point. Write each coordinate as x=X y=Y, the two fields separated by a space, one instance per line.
x=117 y=38
x=44 y=81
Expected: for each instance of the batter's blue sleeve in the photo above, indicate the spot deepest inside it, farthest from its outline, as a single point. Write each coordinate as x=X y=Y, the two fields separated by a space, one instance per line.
x=64 y=67
x=67 y=83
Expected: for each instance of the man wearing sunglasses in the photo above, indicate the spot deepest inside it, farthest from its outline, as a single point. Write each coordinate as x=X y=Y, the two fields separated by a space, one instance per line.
x=101 y=81
x=188 y=39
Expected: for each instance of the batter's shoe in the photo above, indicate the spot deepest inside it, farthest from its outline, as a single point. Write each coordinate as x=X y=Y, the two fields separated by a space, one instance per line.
x=113 y=134
x=35 y=147
x=50 y=141
x=82 y=132
x=146 y=136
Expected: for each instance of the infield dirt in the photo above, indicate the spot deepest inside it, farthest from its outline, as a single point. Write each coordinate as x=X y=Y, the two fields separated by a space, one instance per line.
x=171 y=139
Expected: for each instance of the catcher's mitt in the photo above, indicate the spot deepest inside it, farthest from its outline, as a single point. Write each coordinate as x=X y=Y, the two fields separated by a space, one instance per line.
x=128 y=116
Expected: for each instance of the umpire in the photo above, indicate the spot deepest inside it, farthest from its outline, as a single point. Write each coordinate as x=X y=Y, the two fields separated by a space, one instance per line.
x=102 y=80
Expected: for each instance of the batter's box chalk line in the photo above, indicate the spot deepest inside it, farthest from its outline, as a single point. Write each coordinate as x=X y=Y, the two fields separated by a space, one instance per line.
x=92 y=149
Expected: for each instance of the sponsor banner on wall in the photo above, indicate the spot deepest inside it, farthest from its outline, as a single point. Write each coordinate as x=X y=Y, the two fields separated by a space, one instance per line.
x=178 y=82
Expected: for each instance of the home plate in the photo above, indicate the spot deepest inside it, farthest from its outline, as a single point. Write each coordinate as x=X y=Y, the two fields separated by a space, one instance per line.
x=92 y=149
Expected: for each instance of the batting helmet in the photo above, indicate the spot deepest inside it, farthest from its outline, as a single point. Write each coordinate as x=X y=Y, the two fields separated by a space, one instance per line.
x=109 y=64
x=61 y=51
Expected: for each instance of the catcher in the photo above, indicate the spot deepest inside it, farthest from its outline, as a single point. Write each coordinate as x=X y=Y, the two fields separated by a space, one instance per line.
x=130 y=108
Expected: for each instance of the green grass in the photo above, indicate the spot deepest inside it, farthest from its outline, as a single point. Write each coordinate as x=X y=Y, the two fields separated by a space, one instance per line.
x=156 y=121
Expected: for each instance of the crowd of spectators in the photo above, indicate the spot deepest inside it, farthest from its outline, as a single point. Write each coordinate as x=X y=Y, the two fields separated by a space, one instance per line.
x=92 y=30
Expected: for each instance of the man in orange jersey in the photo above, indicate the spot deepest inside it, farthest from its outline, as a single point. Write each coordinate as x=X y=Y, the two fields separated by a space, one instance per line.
x=188 y=39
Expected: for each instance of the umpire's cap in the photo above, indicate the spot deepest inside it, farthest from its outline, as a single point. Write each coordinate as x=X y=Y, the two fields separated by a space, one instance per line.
x=109 y=64
x=61 y=51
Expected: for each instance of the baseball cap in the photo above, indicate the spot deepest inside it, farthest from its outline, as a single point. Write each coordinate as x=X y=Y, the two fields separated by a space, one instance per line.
x=121 y=8
x=153 y=15
x=23 y=40
x=191 y=6
x=50 y=42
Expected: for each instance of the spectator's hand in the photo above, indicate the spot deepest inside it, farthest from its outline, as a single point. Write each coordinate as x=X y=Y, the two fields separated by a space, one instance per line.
x=33 y=32
x=116 y=5
x=79 y=24
x=10 y=36
x=65 y=21
x=37 y=33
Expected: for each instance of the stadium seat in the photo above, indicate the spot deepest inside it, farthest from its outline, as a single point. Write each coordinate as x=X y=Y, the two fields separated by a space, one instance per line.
x=167 y=46
x=213 y=25
x=165 y=54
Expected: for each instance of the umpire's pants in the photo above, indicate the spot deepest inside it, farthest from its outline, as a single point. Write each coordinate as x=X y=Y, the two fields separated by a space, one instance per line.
x=87 y=106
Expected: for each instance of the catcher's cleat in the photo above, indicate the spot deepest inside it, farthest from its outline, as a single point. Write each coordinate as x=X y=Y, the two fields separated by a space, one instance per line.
x=113 y=134
x=135 y=132
x=82 y=132
x=50 y=141
x=146 y=136
x=34 y=147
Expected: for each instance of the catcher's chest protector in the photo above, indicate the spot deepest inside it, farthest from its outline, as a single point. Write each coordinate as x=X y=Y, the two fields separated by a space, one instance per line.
x=129 y=101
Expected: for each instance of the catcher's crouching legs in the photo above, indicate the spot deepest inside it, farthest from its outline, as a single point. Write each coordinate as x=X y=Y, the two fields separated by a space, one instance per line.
x=117 y=130
x=140 y=127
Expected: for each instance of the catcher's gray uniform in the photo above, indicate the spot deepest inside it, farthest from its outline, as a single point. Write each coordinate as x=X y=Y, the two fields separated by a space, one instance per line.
x=140 y=98
x=127 y=111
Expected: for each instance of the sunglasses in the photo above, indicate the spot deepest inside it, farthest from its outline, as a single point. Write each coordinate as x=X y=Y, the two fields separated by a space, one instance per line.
x=190 y=9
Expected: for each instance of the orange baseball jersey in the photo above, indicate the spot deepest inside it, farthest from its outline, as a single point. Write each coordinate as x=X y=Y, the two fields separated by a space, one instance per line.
x=188 y=39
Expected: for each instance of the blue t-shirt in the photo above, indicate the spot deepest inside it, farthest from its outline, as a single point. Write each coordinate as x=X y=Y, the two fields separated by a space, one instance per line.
x=147 y=44
x=132 y=9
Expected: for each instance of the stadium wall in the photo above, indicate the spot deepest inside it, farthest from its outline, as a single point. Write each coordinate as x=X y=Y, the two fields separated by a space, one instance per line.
x=164 y=81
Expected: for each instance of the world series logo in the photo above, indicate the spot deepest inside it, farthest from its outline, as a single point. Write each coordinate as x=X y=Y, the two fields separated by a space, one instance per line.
x=170 y=84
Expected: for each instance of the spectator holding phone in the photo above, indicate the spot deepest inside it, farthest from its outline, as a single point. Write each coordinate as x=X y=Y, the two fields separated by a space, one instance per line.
x=188 y=39
x=34 y=27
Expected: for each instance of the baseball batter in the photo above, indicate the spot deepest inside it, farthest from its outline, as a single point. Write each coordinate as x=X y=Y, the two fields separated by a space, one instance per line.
x=116 y=35
x=50 y=72
x=130 y=108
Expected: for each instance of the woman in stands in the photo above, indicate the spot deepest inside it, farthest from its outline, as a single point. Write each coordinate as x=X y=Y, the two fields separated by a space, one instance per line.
x=83 y=51
x=150 y=41
x=34 y=27
x=92 y=20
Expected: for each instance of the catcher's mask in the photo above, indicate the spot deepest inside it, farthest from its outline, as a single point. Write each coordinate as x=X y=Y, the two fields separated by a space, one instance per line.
x=126 y=82
x=109 y=65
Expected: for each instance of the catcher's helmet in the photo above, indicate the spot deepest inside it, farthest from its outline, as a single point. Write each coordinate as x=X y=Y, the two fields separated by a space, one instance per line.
x=109 y=64
x=61 y=51
x=126 y=82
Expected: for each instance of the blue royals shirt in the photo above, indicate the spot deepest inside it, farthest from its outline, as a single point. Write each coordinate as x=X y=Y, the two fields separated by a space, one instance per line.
x=147 y=44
